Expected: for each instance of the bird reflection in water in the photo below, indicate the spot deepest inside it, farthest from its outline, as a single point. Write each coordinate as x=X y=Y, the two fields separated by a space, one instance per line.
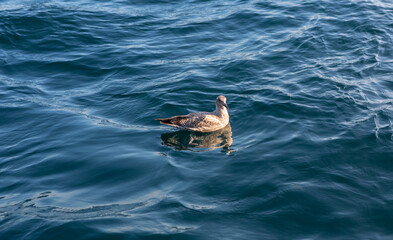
x=199 y=142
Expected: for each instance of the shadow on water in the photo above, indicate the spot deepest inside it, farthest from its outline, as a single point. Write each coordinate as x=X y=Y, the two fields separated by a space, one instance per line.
x=199 y=142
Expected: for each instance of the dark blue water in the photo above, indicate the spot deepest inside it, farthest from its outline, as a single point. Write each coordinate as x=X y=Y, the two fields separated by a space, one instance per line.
x=308 y=154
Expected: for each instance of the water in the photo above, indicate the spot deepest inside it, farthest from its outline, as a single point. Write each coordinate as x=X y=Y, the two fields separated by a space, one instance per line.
x=308 y=155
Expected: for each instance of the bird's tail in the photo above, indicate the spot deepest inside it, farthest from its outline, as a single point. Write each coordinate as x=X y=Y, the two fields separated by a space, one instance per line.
x=172 y=121
x=164 y=120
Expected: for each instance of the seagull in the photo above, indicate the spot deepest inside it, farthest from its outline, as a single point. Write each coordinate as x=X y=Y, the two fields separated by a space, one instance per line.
x=201 y=121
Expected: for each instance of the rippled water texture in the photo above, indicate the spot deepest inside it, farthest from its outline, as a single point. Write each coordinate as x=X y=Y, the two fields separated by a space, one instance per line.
x=308 y=154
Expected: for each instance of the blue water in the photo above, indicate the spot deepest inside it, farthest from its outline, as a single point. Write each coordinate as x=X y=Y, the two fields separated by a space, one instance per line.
x=308 y=154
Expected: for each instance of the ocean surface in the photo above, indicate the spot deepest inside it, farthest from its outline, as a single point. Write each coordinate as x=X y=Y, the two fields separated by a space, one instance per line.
x=308 y=153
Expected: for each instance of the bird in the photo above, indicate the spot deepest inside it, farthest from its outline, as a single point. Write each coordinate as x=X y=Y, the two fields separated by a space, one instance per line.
x=201 y=121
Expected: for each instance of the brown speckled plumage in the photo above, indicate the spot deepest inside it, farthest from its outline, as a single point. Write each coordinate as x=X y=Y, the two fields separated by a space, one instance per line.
x=202 y=121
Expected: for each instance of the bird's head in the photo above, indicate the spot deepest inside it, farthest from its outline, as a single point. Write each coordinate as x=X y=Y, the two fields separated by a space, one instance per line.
x=221 y=102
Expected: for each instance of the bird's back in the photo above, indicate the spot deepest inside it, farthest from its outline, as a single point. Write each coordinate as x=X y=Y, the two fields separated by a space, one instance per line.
x=199 y=121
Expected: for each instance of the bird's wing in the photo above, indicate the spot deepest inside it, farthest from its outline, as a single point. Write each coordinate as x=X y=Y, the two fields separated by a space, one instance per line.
x=208 y=123
x=191 y=120
x=183 y=121
x=200 y=122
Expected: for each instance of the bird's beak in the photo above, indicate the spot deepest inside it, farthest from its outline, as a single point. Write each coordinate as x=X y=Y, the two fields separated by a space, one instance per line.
x=226 y=106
